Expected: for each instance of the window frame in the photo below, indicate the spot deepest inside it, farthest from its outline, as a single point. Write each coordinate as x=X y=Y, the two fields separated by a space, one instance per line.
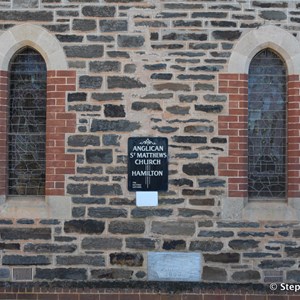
x=60 y=80
x=233 y=167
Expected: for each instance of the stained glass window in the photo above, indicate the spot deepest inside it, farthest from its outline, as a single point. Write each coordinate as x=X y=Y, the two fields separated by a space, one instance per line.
x=27 y=124
x=267 y=127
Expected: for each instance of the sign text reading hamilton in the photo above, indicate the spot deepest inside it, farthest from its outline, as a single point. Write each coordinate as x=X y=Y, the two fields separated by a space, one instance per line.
x=147 y=164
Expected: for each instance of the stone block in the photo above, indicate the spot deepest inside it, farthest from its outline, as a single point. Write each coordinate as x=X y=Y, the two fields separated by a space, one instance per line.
x=83 y=140
x=107 y=212
x=229 y=35
x=19 y=4
x=78 y=212
x=84 y=51
x=215 y=234
x=84 y=25
x=128 y=41
x=4 y=273
x=126 y=227
x=61 y=274
x=123 y=82
x=293 y=275
x=25 y=233
x=139 y=105
x=49 y=248
x=113 y=25
x=198 y=169
x=107 y=96
x=223 y=258
x=214 y=274
x=111 y=139
x=90 y=82
x=173 y=228
x=115 y=273
x=77 y=188
x=91 y=260
x=198 y=129
x=99 y=156
x=120 y=125
x=26 y=15
x=276 y=264
x=273 y=15
x=126 y=259
x=243 y=244
x=174 y=245
x=77 y=97
x=101 y=190
x=188 y=212
x=211 y=183
x=90 y=243
x=114 y=111
x=206 y=246
x=247 y=276
x=172 y=87
x=148 y=212
x=9 y=246
x=190 y=139
x=178 y=110
x=209 y=108
x=25 y=260
x=84 y=226
x=105 y=66
x=140 y=243
x=99 y=11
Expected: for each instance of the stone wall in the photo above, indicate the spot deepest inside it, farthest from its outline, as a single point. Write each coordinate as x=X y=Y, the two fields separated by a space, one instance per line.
x=148 y=68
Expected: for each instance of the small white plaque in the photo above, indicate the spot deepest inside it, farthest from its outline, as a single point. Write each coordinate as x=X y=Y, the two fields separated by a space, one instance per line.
x=174 y=266
x=146 y=198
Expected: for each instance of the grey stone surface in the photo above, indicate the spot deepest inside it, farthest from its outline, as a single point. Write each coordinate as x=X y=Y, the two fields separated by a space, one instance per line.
x=140 y=243
x=91 y=260
x=61 y=273
x=99 y=11
x=113 y=25
x=84 y=226
x=49 y=248
x=25 y=233
x=25 y=260
x=83 y=140
x=206 y=246
x=126 y=227
x=173 y=228
x=102 y=190
x=126 y=259
x=103 y=156
x=129 y=41
x=214 y=274
x=84 y=51
x=107 y=212
x=120 y=125
x=101 y=243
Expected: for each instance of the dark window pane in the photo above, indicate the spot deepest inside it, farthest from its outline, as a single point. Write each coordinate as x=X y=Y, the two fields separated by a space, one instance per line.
x=27 y=124
x=267 y=127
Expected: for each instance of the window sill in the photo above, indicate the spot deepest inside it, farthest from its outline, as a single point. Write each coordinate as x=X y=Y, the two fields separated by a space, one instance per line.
x=48 y=207
x=241 y=209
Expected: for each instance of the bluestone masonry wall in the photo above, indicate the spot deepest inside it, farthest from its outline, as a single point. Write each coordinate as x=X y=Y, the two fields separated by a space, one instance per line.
x=148 y=68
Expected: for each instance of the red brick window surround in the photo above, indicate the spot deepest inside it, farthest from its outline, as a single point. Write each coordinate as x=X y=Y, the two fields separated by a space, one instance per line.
x=58 y=122
x=234 y=125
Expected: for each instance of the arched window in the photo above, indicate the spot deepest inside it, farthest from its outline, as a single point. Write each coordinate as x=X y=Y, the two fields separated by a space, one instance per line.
x=27 y=123
x=267 y=126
